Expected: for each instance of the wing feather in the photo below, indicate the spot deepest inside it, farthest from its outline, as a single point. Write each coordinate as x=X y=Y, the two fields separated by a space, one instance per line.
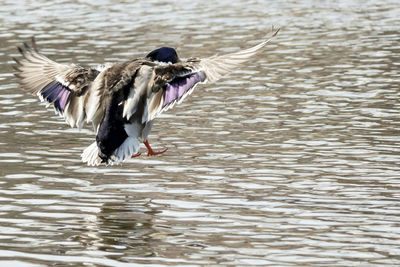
x=181 y=79
x=142 y=83
x=64 y=86
x=217 y=66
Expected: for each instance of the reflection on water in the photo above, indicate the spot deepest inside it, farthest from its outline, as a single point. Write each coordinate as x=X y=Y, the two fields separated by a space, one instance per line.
x=293 y=159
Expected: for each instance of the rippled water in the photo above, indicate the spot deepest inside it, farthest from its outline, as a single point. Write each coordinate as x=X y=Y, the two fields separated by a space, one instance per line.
x=291 y=160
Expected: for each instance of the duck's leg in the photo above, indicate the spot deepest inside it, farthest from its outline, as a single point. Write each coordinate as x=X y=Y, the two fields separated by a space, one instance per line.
x=150 y=151
x=136 y=155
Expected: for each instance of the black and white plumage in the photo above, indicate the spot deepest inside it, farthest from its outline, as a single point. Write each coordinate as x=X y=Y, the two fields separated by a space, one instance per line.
x=121 y=100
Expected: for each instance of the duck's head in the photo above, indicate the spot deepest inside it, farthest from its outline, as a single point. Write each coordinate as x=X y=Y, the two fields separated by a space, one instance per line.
x=163 y=54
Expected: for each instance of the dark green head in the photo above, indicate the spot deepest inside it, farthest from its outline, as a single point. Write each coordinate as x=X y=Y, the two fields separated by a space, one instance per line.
x=163 y=54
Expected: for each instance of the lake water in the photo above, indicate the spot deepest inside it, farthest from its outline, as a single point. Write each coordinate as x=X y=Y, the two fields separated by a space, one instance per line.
x=294 y=159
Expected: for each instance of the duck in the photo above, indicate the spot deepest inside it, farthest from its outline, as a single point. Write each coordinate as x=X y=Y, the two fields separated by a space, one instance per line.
x=121 y=100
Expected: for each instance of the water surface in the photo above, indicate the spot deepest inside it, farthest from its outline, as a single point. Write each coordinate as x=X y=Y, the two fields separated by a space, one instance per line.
x=291 y=160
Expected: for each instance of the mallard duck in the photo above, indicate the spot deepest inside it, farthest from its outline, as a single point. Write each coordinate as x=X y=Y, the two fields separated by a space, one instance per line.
x=121 y=100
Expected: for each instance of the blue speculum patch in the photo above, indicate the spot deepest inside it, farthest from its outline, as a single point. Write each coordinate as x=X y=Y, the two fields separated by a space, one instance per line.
x=57 y=94
x=180 y=86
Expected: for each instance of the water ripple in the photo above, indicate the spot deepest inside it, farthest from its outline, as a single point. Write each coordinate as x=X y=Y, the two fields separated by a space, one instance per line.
x=291 y=160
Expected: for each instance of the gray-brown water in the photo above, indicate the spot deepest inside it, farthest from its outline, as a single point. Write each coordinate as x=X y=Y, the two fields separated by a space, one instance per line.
x=291 y=160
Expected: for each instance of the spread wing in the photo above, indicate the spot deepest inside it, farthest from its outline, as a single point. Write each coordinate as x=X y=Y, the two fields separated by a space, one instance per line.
x=71 y=89
x=174 y=82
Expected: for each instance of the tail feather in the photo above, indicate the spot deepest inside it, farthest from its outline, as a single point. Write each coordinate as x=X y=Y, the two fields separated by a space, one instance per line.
x=128 y=148
x=91 y=155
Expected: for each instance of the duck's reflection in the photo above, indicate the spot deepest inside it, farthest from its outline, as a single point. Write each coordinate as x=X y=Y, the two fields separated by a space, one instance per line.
x=125 y=228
